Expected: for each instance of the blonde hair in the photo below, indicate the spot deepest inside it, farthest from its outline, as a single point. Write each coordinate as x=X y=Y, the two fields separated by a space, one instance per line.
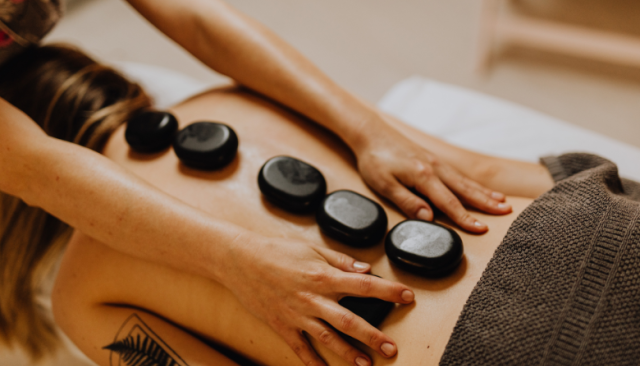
x=72 y=98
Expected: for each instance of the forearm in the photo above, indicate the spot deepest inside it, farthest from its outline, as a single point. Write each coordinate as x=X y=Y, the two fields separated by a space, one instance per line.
x=237 y=46
x=101 y=199
x=241 y=48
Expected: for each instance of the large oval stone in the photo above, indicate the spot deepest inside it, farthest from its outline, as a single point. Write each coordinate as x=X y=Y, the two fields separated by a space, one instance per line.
x=291 y=184
x=206 y=145
x=424 y=248
x=352 y=219
x=150 y=131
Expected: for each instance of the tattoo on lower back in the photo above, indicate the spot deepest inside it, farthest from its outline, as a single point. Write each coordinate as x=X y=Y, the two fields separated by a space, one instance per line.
x=137 y=345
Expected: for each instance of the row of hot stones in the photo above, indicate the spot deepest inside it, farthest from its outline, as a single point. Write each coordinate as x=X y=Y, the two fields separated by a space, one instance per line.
x=423 y=248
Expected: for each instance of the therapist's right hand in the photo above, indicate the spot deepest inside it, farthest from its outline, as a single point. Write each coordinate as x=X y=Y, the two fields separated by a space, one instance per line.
x=293 y=286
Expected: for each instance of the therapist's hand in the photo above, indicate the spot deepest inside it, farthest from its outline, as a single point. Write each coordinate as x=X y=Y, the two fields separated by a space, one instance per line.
x=293 y=286
x=392 y=164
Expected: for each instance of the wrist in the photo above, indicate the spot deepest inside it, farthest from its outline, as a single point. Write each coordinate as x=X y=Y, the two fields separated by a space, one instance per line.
x=363 y=131
x=229 y=256
x=368 y=132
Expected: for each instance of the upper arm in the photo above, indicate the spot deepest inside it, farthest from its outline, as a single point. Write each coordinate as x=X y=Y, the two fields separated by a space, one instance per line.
x=214 y=32
x=15 y=124
x=20 y=139
x=176 y=19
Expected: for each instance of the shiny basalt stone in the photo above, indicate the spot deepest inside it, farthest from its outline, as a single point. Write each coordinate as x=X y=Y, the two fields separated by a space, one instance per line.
x=291 y=184
x=151 y=131
x=371 y=309
x=424 y=248
x=206 y=145
x=352 y=219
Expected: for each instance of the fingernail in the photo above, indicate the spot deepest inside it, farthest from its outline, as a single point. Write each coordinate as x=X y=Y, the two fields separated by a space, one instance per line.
x=360 y=266
x=388 y=349
x=361 y=361
x=480 y=224
x=504 y=205
x=497 y=195
x=424 y=215
x=407 y=296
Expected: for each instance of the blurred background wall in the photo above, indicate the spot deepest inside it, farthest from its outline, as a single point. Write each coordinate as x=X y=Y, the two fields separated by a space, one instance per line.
x=368 y=45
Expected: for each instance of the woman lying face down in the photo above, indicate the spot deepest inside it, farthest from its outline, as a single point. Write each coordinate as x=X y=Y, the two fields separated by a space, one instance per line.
x=116 y=307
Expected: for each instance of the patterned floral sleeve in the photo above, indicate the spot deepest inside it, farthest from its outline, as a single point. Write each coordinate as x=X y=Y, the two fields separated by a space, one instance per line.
x=24 y=23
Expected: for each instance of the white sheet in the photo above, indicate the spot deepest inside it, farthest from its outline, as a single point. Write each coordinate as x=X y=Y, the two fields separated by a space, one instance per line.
x=167 y=87
x=496 y=127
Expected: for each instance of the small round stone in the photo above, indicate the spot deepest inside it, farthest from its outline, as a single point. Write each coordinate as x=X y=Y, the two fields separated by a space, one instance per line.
x=206 y=145
x=352 y=219
x=424 y=248
x=291 y=184
x=151 y=131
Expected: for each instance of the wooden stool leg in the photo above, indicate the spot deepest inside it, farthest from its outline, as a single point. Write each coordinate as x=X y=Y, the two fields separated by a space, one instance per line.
x=486 y=35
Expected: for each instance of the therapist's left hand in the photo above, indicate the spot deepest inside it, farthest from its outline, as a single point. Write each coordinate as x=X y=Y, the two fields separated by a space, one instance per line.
x=392 y=164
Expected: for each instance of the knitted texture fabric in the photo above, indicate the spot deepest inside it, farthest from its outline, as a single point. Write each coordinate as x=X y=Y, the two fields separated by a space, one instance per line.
x=563 y=287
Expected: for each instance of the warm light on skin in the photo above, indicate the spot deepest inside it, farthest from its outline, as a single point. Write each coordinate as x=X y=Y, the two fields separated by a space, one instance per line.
x=214 y=310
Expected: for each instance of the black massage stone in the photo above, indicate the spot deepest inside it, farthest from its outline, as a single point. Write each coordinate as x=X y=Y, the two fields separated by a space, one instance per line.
x=352 y=219
x=372 y=310
x=424 y=248
x=436 y=211
x=291 y=184
x=151 y=131
x=368 y=308
x=206 y=145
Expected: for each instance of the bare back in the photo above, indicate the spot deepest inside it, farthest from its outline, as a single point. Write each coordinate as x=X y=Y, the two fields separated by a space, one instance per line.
x=93 y=274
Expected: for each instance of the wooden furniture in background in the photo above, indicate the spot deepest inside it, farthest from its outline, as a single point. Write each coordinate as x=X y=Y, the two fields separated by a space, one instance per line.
x=500 y=27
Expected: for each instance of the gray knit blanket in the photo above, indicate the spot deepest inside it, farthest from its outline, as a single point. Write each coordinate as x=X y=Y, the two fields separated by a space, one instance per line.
x=563 y=287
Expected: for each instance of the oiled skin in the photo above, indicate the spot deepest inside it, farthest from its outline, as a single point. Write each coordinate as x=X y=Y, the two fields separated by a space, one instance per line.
x=92 y=274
